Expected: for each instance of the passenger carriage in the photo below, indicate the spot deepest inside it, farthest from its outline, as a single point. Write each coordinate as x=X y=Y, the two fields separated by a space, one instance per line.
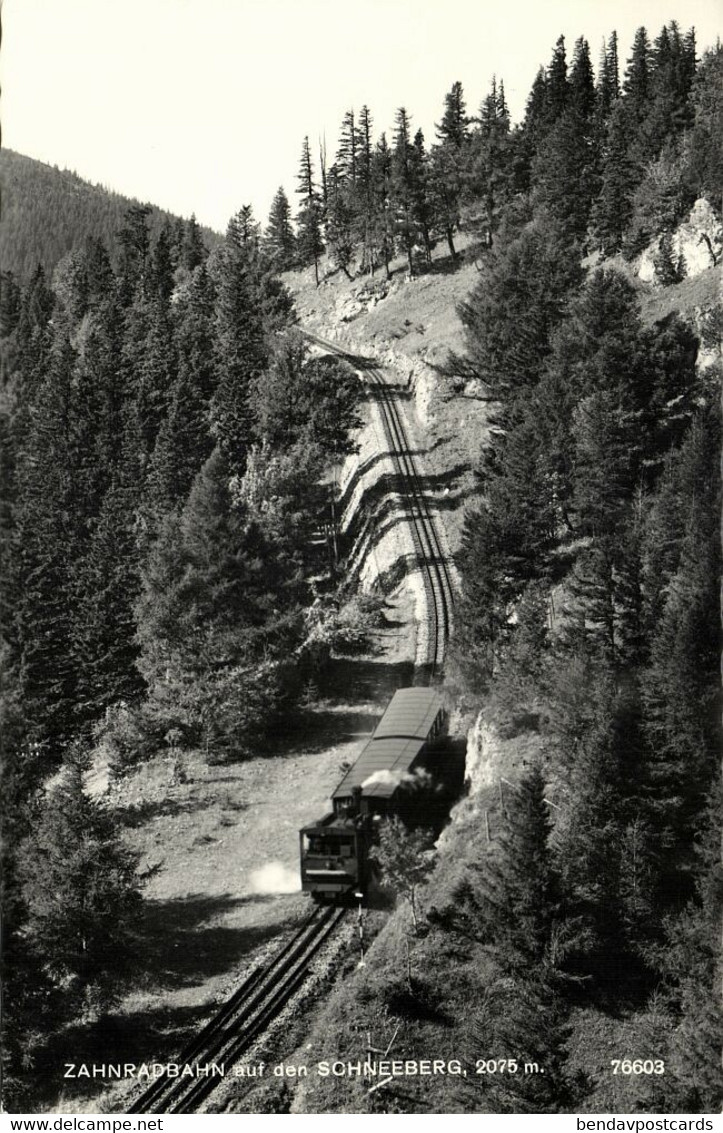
x=402 y=770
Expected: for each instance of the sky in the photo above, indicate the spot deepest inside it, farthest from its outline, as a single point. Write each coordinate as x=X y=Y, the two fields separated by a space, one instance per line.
x=201 y=106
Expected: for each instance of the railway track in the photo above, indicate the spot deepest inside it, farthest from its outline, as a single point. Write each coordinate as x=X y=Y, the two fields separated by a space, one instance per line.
x=257 y=1002
x=242 y=1019
x=427 y=546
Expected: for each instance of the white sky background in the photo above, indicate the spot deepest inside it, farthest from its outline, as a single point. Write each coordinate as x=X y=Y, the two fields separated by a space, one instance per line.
x=202 y=105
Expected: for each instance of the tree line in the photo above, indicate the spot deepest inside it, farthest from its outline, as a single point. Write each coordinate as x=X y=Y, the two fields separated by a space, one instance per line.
x=616 y=159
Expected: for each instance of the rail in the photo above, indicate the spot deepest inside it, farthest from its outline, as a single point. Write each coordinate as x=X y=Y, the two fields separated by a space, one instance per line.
x=241 y=1020
x=427 y=546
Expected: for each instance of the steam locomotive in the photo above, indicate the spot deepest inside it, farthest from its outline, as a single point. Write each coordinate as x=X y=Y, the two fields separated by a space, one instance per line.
x=403 y=770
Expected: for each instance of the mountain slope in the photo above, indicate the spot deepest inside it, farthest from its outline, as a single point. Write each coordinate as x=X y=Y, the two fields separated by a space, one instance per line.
x=47 y=211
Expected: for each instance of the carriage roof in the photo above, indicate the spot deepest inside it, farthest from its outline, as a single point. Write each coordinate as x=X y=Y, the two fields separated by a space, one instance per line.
x=395 y=745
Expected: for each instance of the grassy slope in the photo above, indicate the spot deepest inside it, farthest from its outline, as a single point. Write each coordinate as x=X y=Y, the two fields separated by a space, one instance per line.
x=202 y=831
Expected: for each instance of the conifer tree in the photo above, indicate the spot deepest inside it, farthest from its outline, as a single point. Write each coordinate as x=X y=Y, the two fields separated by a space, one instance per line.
x=557 y=87
x=134 y=241
x=347 y=158
x=613 y=207
x=80 y=888
x=447 y=159
x=510 y=315
x=241 y=351
x=46 y=532
x=382 y=189
x=452 y=130
x=582 y=82
x=533 y=126
x=402 y=185
x=368 y=218
x=422 y=199
x=704 y=147
x=309 y=242
x=10 y=303
x=608 y=85
x=340 y=222
x=636 y=86
x=217 y=609
x=193 y=251
x=279 y=239
x=518 y=894
x=161 y=281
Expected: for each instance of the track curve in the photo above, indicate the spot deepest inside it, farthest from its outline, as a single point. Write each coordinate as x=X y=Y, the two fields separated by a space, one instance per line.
x=427 y=545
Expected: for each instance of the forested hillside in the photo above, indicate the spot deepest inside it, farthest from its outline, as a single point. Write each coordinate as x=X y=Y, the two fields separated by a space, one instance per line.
x=166 y=436
x=46 y=212
x=588 y=628
x=159 y=504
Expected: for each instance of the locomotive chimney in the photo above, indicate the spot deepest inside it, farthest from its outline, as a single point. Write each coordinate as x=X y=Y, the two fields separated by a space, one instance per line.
x=356 y=796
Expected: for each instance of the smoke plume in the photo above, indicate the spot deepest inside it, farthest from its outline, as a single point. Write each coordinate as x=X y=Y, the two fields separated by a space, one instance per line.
x=275 y=877
x=414 y=780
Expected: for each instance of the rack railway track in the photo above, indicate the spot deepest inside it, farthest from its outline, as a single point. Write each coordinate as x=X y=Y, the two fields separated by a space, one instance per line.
x=427 y=546
x=242 y=1019
x=258 y=1001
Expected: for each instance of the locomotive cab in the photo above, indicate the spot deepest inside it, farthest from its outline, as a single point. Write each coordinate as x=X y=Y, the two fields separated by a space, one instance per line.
x=333 y=856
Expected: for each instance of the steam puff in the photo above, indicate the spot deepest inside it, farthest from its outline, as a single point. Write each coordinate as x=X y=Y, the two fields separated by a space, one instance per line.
x=416 y=779
x=274 y=877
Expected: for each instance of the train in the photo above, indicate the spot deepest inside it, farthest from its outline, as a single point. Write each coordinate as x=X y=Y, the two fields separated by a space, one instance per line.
x=406 y=769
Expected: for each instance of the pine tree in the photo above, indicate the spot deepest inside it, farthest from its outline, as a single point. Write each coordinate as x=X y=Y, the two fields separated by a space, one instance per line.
x=704 y=148
x=667 y=270
x=564 y=174
x=452 y=130
x=582 y=82
x=81 y=890
x=524 y=1020
x=279 y=239
x=10 y=303
x=557 y=87
x=613 y=208
x=309 y=242
x=340 y=222
x=518 y=894
x=422 y=198
x=347 y=158
x=608 y=86
x=367 y=218
x=241 y=352
x=134 y=241
x=107 y=586
x=151 y=365
x=446 y=167
x=510 y=315
x=636 y=86
x=382 y=189
x=533 y=127
x=193 y=251
x=402 y=186
x=46 y=549
x=591 y=741
x=216 y=612
x=161 y=281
